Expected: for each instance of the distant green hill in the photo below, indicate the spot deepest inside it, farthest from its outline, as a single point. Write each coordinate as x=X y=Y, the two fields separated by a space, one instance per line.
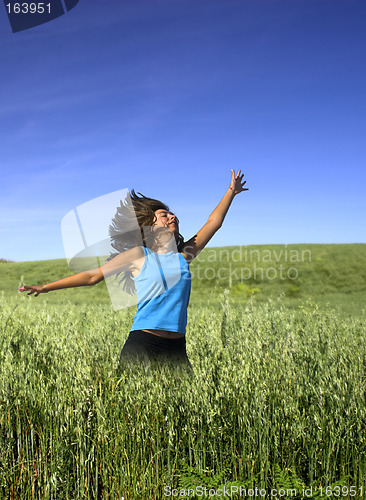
x=325 y=274
x=328 y=275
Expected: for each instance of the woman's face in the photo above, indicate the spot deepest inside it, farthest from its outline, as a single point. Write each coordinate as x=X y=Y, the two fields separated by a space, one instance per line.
x=166 y=219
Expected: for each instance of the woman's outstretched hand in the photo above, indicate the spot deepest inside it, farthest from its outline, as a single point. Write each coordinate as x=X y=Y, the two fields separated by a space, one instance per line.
x=32 y=289
x=237 y=184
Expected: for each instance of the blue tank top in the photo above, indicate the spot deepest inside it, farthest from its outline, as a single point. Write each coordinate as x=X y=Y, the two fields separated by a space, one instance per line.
x=163 y=289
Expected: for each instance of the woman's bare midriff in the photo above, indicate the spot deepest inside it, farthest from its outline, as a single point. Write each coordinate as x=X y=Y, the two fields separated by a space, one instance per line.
x=165 y=334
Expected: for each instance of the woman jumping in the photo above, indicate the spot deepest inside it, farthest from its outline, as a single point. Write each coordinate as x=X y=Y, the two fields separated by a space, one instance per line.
x=158 y=271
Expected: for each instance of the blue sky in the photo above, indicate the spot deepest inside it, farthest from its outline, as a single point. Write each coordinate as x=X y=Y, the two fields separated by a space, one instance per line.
x=166 y=96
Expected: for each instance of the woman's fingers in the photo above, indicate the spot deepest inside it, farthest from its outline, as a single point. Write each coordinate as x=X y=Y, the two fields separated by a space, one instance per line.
x=29 y=289
x=237 y=182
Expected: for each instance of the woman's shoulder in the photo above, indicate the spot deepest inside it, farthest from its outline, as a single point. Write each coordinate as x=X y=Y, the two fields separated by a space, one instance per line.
x=133 y=256
x=135 y=252
x=186 y=256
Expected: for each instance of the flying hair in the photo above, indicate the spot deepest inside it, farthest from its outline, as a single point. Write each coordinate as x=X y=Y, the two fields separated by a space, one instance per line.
x=124 y=234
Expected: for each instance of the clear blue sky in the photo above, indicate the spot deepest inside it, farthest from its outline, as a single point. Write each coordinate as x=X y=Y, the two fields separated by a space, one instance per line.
x=166 y=96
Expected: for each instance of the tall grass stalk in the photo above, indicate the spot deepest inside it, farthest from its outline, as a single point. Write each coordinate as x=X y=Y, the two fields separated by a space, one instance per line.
x=272 y=390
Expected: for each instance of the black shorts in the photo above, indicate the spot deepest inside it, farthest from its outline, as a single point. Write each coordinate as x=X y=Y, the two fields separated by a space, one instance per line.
x=144 y=346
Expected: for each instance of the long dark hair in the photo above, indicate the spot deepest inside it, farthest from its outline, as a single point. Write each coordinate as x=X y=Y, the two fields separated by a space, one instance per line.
x=125 y=233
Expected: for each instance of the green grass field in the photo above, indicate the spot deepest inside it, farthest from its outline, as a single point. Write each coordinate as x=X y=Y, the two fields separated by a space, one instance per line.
x=332 y=276
x=276 y=401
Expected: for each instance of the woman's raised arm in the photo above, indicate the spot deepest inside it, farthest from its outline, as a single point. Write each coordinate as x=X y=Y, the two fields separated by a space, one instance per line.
x=193 y=246
x=119 y=263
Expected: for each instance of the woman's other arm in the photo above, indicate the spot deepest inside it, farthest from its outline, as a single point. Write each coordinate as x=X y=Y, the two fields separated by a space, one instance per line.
x=193 y=246
x=86 y=278
x=119 y=263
